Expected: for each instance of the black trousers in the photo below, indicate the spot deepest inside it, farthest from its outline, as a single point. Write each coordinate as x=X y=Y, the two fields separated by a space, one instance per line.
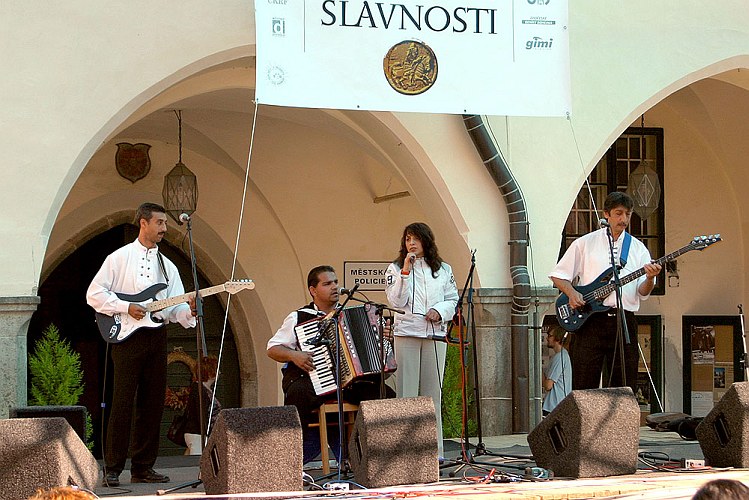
x=137 y=401
x=594 y=348
x=298 y=391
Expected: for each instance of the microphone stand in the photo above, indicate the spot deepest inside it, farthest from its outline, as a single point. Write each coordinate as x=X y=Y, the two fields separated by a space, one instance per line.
x=622 y=331
x=342 y=446
x=744 y=360
x=466 y=458
x=201 y=349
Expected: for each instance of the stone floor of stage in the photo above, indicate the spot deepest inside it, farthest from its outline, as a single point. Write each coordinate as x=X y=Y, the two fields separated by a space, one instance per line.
x=645 y=484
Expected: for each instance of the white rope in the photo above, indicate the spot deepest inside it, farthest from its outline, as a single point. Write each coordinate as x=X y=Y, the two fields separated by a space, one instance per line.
x=234 y=261
x=582 y=166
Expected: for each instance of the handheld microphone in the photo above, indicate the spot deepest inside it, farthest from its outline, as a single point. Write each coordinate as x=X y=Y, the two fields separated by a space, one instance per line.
x=412 y=259
x=184 y=218
x=439 y=337
x=604 y=223
x=346 y=291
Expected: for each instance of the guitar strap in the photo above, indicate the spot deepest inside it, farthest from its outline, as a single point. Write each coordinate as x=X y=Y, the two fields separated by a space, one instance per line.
x=163 y=268
x=625 y=248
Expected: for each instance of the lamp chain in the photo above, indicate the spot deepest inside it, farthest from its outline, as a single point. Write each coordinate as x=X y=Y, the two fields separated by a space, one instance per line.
x=179 y=122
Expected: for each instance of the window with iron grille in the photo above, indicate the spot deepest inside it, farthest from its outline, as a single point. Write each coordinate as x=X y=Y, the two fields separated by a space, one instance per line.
x=612 y=173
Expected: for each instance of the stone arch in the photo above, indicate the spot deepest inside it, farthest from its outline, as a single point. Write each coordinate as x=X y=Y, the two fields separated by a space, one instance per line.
x=660 y=94
x=245 y=315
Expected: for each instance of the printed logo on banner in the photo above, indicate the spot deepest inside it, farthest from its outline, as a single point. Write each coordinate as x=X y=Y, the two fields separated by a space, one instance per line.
x=278 y=26
x=538 y=43
x=410 y=67
x=539 y=2
x=539 y=20
x=276 y=75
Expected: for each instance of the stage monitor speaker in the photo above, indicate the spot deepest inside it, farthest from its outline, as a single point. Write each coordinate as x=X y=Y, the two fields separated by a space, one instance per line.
x=394 y=442
x=724 y=433
x=42 y=453
x=591 y=433
x=75 y=415
x=252 y=450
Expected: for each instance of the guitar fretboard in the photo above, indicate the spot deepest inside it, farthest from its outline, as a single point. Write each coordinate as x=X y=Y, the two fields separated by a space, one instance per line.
x=605 y=291
x=158 y=305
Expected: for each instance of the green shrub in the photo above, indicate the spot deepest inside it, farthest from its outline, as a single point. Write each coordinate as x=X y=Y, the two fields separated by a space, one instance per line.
x=56 y=375
x=452 y=405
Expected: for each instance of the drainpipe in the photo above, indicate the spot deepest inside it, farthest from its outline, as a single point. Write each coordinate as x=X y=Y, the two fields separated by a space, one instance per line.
x=521 y=289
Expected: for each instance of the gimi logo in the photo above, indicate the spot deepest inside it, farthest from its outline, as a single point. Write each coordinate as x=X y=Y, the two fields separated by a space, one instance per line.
x=539 y=43
x=278 y=26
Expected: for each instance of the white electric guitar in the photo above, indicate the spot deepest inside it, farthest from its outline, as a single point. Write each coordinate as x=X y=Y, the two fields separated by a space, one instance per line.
x=117 y=328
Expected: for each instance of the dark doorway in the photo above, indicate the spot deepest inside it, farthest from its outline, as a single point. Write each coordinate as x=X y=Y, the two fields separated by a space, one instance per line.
x=63 y=302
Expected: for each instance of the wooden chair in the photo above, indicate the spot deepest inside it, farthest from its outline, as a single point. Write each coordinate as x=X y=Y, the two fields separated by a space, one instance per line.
x=349 y=415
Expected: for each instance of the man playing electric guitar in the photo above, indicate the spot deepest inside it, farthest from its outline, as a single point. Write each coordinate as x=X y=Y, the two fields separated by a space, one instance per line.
x=140 y=361
x=586 y=259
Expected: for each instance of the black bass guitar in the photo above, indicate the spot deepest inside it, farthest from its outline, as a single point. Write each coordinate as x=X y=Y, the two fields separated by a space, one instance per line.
x=596 y=291
x=117 y=328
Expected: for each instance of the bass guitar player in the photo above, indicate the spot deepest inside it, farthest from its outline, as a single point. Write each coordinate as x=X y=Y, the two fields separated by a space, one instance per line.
x=594 y=343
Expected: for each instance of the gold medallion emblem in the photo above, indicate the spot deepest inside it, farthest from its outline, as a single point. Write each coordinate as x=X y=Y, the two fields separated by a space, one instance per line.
x=410 y=67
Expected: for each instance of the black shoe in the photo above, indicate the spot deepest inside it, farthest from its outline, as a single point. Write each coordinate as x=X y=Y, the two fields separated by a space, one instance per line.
x=148 y=476
x=111 y=479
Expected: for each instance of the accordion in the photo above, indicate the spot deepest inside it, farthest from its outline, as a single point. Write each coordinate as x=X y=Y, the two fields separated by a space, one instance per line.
x=360 y=348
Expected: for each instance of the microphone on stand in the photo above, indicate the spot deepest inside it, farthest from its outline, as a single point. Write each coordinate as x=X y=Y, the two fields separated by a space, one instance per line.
x=184 y=218
x=318 y=340
x=348 y=291
x=604 y=223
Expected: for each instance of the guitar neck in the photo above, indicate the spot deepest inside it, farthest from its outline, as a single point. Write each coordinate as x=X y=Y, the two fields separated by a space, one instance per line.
x=604 y=291
x=158 y=305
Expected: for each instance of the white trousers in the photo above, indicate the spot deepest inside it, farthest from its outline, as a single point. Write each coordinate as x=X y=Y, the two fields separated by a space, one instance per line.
x=421 y=366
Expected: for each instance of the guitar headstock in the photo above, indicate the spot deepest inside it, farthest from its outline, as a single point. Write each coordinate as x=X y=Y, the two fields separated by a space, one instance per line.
x=702 y=242
x=235 y=286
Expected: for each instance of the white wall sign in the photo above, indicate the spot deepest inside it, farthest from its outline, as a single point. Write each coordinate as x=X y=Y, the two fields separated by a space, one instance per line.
x=496 y=57
x=369 y=275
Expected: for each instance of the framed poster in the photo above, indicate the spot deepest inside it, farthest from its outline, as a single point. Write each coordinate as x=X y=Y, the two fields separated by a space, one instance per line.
x=712 y=350
x=650 y=369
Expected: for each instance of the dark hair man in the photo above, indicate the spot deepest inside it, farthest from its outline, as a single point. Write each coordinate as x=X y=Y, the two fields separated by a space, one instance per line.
x=585 y=260
x=322 y=284
x=140 y=360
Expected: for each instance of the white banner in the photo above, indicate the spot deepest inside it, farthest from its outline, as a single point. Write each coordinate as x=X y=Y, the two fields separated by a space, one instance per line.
x=495 y=57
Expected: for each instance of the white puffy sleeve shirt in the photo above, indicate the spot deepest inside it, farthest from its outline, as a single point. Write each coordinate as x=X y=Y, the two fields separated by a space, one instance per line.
x=589 y=256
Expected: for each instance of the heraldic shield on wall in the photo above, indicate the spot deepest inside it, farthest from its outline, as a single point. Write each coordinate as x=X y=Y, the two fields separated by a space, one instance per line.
x=132 y=160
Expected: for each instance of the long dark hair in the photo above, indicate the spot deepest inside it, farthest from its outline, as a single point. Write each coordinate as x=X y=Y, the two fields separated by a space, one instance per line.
x=426 y=236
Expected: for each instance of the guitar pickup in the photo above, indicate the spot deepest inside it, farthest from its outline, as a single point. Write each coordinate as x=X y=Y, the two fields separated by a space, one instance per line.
x=563 y=311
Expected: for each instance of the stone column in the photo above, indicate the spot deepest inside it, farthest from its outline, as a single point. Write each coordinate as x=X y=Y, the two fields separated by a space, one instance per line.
x=15 y=314
x=494 y=349
x=494 y=344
